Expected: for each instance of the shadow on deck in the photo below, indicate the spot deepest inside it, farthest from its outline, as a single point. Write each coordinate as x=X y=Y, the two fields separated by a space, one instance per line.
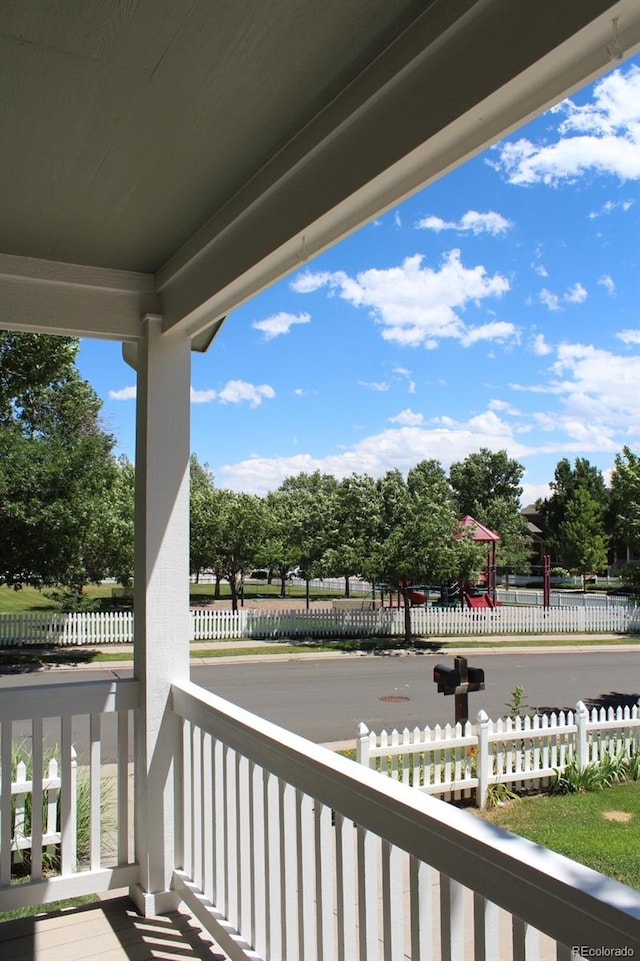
x=109 y=930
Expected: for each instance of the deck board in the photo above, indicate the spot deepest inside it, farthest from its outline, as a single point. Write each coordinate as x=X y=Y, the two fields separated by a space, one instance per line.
x=109 y=930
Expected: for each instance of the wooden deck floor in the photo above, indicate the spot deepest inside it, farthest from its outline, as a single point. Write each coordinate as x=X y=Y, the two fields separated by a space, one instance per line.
x=108 y=930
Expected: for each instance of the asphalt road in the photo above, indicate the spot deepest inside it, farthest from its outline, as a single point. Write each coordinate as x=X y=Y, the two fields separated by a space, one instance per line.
x=324 y=699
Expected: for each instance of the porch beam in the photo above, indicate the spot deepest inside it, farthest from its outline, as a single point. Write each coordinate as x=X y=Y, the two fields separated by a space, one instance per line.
x=45 y=296
x=161 y=601
x=411 y=116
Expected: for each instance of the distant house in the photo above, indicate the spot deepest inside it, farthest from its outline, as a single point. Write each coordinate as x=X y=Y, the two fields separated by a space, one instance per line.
x=534 y=525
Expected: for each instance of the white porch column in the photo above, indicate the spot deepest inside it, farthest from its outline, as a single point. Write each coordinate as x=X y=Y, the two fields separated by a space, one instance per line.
x=162 y=628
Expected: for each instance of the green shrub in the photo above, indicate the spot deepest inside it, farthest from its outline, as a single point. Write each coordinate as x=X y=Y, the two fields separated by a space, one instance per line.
x=609 y=770
x=498 y=795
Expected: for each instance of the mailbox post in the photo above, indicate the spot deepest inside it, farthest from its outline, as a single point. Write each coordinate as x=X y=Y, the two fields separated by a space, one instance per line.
x=459 y=680
x=461 y=700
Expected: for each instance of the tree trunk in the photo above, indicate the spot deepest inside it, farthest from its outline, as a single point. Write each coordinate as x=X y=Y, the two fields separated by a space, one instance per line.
x=407 y=616
x=346 y=587
x=233 y=586
x=216 y=589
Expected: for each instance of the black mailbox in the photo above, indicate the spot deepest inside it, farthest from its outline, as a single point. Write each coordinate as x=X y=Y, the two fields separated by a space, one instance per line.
x=447 y=678
x=475 y=676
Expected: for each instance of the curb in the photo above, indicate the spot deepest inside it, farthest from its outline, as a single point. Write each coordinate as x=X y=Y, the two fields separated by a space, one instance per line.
x=493 y=647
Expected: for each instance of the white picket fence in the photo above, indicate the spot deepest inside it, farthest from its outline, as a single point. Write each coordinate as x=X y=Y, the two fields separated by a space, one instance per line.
x=460 y=761
x=41 y=817
x=116 y=627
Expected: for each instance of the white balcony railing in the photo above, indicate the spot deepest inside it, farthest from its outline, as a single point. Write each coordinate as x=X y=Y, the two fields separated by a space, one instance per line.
x=293 y=852
x=94 y=800
x=285 y=850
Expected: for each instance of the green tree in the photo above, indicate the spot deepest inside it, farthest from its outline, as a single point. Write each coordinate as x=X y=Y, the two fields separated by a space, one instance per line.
x=280 y=551
x=237 y=533
x=202 y=517
x=115 y=531
x=625 y=504
x=581 y=536
x=56 y=467
x=567 y=480
x=356 y=522
x=419 y=538
x=309 y=501
x=487 y=486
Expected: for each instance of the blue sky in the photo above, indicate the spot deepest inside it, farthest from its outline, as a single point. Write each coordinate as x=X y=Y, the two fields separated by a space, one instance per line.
x=497 y=308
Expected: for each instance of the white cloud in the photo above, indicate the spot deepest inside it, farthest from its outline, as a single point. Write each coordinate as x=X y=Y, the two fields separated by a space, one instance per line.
x=238 y=391
x=576 y=294
x=598 y=392
x=397 y=219
x=588 y=403
x=539 y=346
x=610 y=206
x=279 y=324
x=496 y=330
x=471 y=222
x=398 y=447
x=629 y=336
x=307 y=282
x=202 y=396
x=573 y=295
x=502 y=406
x=234 y=392
x=606 y=281
x=534 y=492
x=403 y=372
x=378 y=385
x=552 y=301
x=602 y=137
x=127 y=393
x=415 y=305
x=541 y=270
x=407 y=418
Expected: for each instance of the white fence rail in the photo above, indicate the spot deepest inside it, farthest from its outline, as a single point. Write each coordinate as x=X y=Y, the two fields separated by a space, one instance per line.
x=534 y=597
x=211 y=624
x=454 y=761
x=22 y=790
x=41 y=717
x=291 y=851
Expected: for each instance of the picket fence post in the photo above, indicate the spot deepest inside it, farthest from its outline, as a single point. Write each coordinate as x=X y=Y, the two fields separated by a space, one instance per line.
x=363 y=745
x=582 y=750
x=482 y=759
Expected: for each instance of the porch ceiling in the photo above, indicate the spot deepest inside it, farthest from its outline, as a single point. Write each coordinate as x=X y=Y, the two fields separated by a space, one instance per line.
x=175 y=157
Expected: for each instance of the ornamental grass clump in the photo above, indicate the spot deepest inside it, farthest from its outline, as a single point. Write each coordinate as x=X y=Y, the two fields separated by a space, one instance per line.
x=22 y=813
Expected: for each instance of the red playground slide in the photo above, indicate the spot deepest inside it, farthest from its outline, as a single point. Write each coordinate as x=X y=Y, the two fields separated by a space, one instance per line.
x=417 y=597
x=483 y=601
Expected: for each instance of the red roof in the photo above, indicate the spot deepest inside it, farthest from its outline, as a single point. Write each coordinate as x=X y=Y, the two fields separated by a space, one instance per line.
x=480 y=532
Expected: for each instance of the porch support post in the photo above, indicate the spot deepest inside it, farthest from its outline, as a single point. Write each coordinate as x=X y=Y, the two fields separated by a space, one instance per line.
x=162 y=626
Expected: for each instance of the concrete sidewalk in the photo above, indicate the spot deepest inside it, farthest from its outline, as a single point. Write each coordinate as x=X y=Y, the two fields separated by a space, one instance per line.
x=494 y=644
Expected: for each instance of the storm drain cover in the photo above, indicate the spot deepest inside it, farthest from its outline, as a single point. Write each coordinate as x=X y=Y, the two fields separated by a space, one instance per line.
x=394 y=698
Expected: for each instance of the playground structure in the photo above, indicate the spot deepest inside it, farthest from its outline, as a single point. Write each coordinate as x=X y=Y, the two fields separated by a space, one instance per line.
x=454 y=594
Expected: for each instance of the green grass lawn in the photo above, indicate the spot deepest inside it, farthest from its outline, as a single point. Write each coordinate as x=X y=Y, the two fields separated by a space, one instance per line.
x=31 y=600
x=598 y=828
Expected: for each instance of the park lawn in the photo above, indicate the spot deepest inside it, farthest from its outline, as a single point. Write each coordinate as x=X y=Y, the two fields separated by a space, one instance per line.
x=31 y=600
x=577 y=826
x=200 y=593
